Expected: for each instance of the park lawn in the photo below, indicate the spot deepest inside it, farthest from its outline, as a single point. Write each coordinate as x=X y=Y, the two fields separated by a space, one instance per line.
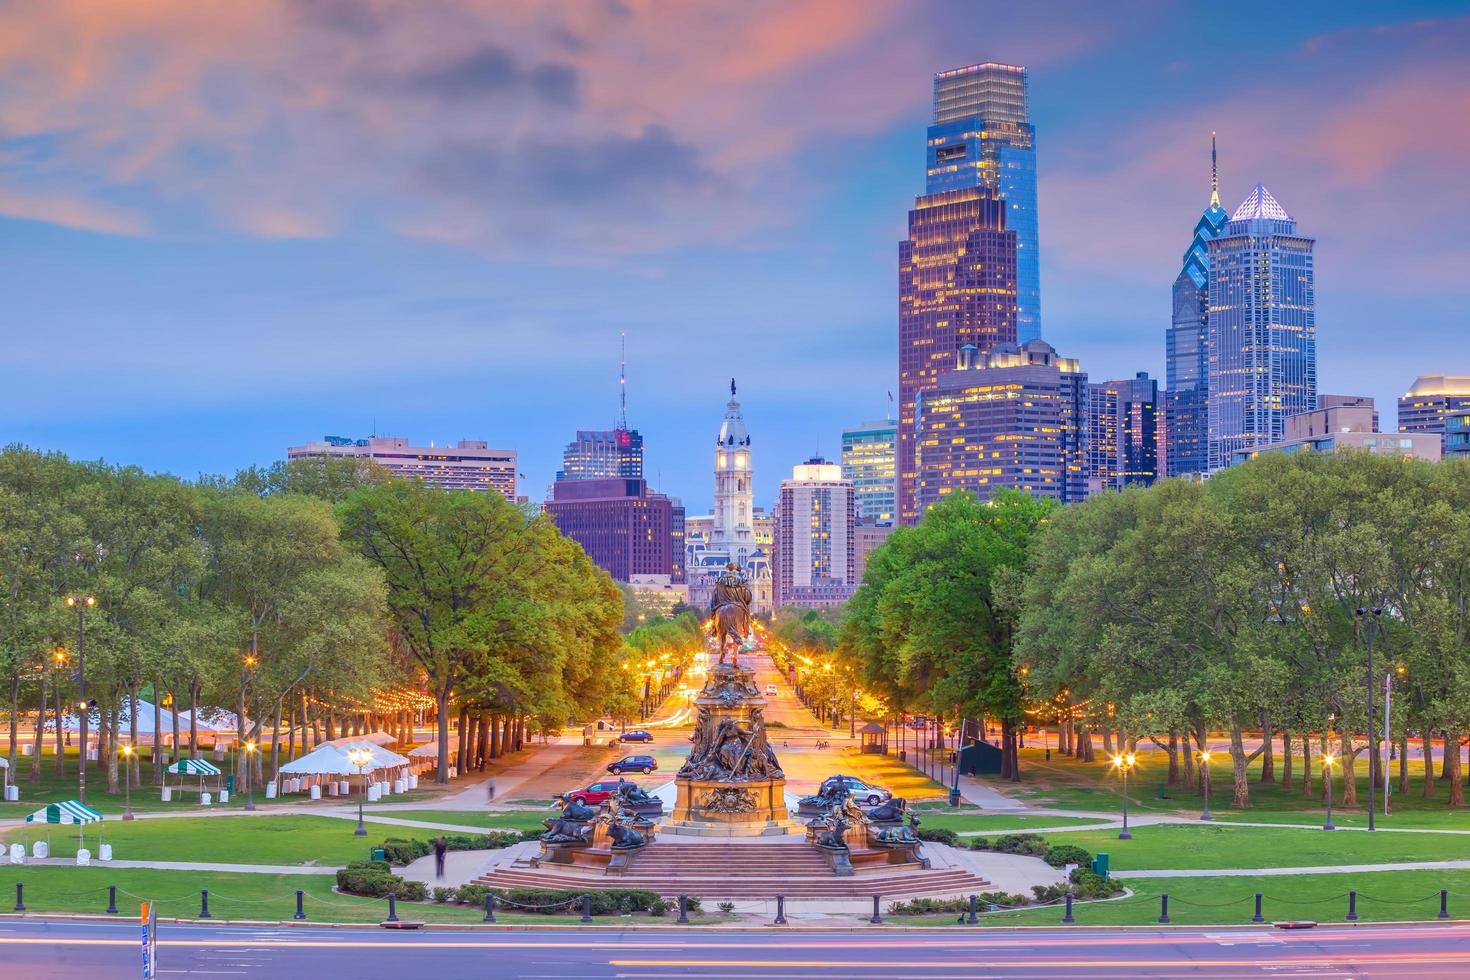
x=488 y=819
x=1446 y=819
x=998 y=822
x=1207 y=846
x=262 y=839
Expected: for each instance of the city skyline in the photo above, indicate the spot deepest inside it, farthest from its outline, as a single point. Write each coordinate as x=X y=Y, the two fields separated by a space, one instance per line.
x=163 y=317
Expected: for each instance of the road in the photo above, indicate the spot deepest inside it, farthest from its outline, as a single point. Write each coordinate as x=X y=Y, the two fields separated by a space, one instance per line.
x=88 y=951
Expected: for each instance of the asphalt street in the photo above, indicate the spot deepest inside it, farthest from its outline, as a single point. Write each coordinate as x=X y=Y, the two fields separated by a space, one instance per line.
x=103 y=951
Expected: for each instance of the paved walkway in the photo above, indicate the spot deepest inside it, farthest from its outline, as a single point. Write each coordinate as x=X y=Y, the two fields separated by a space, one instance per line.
x=255 y=869
x=1334 y=869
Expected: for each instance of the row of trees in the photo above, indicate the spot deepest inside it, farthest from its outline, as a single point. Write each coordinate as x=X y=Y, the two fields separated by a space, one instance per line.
x=300 y=595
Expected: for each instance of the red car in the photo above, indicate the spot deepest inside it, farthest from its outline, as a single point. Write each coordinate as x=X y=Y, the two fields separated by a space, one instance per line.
x=595 y=793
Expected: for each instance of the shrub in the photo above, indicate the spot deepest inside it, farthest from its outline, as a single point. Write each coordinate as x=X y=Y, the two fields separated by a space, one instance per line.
x=980 y=844
x=727 y=907
x=549 y=901
x=1027 y=844
x=1089 y=884
x=410 y=891
x=442 y=895
x=926 y=906
x=470 y=894
x=939 y=835
x=1061 y=855
x=372 y=879
x=400 y=852
x=659 y=908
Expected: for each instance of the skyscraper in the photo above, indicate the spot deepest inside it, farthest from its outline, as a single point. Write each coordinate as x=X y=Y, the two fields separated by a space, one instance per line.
x=814 y=547
x=1123 y=433
x=1186 y=378
x=625 y=529
x=470 y=464
x=1432 y=404
x=868 y=455
x=982 y=137
x=1262 y=332
x=606 y=454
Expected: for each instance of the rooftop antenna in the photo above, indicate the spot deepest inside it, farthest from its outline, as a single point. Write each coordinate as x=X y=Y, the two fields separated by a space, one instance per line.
x=623 y=380
x=889 y=416
x=1214 y=175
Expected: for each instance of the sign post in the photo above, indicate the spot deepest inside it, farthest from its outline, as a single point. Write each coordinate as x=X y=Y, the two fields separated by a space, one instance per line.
x=148 y=916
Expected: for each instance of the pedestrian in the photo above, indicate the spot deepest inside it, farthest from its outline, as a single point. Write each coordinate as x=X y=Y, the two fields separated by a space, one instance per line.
x=441 y=848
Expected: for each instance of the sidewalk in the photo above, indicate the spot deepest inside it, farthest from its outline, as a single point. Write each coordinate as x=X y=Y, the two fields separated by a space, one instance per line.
x=1335 y=869
x=258 y=869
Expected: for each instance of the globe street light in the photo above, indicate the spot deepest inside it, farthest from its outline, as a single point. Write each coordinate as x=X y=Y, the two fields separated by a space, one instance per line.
x=1204 y=765
x=249 y=789
x=1124 y=763
x=360 y=757
x=127 y=754
x=1327 y=762
x=81 y=603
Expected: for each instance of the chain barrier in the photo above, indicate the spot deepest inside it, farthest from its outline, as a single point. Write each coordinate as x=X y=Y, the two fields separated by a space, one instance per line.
x=1305 y=901
x=1399 y=901
x=1210 y=905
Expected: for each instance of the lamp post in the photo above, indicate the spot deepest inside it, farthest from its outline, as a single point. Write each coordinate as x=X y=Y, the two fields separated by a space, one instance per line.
x=360 y=757
x=127 y=754
x=249 y=766
x=1327 y=762
x=1204 y=766
x=81 y=603
x=1362 y=615
x=1124 y=763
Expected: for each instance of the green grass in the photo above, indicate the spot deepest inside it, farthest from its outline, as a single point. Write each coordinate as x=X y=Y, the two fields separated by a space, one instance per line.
x=1357 y=817
x=1207 y=846
x=489 y=819
x=1018 y=822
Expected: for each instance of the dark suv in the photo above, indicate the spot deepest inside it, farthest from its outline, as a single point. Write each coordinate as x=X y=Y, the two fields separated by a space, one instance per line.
x=633 y=763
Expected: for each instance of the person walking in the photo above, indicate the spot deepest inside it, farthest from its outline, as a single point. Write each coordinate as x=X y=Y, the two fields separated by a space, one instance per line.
x=441 y=848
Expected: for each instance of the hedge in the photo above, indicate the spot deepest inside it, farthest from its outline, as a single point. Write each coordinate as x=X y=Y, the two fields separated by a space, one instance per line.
x=373 y=880
x=551 y=901
x=401 y=851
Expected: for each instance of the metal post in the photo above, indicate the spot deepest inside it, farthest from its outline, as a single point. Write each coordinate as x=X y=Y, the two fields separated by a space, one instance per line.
x=20 y=898
x=586 y=908
x=1067 y=919
x=1164 y=909
x=112 y=900
x=1327 y=778
x=974 y=901
x=489 y=908
x=361 y=830
x=1124 y=833
x=876 y=919
x=300 y=912
x=683 y=910
x=780 y=909
x=1352 y=915
x=84 y=714
x=204 y=903
x=1258 y=917
x=1205 y=765
x=392 y=907
x=1444 y=903
x=1371 y=625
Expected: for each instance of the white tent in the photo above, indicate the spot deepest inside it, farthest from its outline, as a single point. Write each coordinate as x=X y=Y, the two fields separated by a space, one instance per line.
x=377 y=738
x=324 y=760
x=430 y=750
x=382 y=758
x=69 y=723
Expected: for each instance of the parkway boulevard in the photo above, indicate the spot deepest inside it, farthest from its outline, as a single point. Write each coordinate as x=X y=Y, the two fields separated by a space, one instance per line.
x=92 y=950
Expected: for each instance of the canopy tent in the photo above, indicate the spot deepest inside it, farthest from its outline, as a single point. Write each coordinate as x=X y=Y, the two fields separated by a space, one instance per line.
x=324 y=760
x=381 y=758
x=193 y=767
x=377 y=738
x=66 y=812
x=430 y=750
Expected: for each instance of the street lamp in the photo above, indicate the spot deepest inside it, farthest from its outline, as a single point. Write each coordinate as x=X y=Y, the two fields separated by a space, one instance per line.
x=247 y=663
x=1204 y=765
x=1372 y=627
x=1327 y=762
x=360 y=757
x=81 y=603
x=127 y=754
x=1124 y=763
x=249 y=789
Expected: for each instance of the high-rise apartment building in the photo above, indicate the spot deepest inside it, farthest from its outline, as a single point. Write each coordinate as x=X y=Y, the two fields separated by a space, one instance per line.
x=815 y=560
x=1262 y=331
x=603 y=454
x=1123 y=433
x=1432 y=404
x=469 y=464
x=869 y=454
x=624 y=528
x=1015 y=417
x=982 y=137
x=1186 y=432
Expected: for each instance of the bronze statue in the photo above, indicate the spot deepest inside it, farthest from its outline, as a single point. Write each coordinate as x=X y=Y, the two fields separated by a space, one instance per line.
x=730 y=612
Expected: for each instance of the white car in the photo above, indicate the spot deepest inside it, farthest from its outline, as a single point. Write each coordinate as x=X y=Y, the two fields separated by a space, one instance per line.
x=770 y=690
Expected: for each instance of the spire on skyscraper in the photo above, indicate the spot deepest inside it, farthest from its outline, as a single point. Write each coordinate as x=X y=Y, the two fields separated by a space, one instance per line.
x=1214 y=175
x=623 y=380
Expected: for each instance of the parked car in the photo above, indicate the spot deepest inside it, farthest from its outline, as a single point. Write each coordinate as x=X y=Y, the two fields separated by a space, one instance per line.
x=594 y=794
x=770 y=690
x=633 y=763
x=636 y=735
x=866 y=793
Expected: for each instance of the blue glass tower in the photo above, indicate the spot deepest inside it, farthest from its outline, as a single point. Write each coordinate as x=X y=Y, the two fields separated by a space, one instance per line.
x=1262 y=328
x=982 y=136
x=1186 y=380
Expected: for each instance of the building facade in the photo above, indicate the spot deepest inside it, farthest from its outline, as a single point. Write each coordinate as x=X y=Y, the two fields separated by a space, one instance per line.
x=815 y=560
x=1186 y=431
x=1433 y=403
x=1344 y=422
x=603 y=454
x=1013 y=418
x=982 y=137
x=625 y=529
x=866 y=538
x=1457 y=437
x=1262 y=332
x=469 y=464
x=1123 y=433
x=869 y=457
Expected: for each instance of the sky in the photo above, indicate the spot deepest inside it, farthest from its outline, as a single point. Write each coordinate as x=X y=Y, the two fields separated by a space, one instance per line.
x=226 y=229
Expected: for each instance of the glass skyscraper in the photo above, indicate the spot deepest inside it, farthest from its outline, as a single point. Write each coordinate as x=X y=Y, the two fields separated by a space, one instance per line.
x=1186 y=426
x=982 y=137
x=869 y=453
x=1262 y=330
x=603 y=454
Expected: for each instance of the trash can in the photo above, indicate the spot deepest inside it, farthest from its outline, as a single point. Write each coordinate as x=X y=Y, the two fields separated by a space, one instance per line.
x=1100 y=864
x=378 y=854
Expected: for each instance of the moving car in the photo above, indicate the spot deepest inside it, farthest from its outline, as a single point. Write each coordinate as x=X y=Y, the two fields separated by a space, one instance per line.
x=636 y=735
x=770 y=690
x=595 y=793
x=633 y=763
x=866 y=793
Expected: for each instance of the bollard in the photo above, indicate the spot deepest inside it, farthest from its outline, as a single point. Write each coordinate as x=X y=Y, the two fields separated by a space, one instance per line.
x=1444 y=903
x=1258 y=917
x=204 y=903
x=974 y=901
x=586 y=908
x=1164 y=909
x=683 y=910
x=300 y=912
x=392 y=907
x=489 y=908
x=112 y=900
x=1352 y=915
x=876 y=919
x=20 y=901
x=780 y=909
x=1067 y=919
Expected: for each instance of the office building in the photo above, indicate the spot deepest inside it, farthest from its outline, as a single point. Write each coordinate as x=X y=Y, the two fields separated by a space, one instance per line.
x=866 y=538
x=469 y=464
x=1433 y=403
x=624 y=528
x=1344 y=422
x=1185 y=428
x=815 y=561
x=869 y=454
x=1457 y=436
x=1123 y=433
x=1262 y=331
x=982 y=137
x=603 y=454
x=1016 y=417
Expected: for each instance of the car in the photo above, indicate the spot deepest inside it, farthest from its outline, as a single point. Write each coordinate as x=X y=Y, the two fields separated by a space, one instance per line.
x=866 y=793
x=633 y=763
x=636 y=735
x=594 y=794
x=770 y=690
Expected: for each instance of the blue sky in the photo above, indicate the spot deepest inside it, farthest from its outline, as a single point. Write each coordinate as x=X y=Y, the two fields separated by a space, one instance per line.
x=223 y=235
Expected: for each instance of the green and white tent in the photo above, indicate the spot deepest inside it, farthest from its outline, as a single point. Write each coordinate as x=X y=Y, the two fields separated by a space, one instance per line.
x=71 y=811
x=193 y=767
